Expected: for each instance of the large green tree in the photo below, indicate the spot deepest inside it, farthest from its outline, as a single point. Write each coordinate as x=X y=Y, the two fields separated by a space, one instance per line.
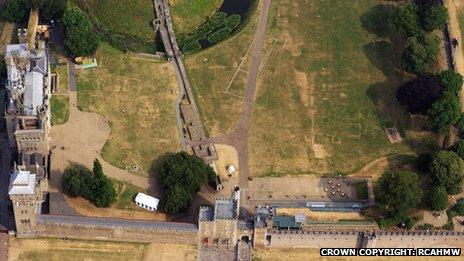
x=95 y=187
x=75 y=180
x=437 y=198
x=104 y=193
x=177 y=200
x=185 y=172
x=451 y=81
x=445 y=112
x=420 y=53
x=447 y=170
x=406 y=20
x=433 y=17
x=79 y=37
x=398 y=193
x=14 y=11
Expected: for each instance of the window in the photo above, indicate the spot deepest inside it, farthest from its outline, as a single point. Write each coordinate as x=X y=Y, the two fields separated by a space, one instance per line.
x=23 y=211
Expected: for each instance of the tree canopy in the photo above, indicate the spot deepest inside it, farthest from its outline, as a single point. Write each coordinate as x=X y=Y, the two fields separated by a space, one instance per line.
x=14 y=11
x=445 y=112
x=447 y=170
x=406 y=20
x=182 y=171
x=78 y=181
x=420 y=53
x=458 y=148
x=79 y=37
x=419 y=94
x=437 y=198
x=451 y=81
x=398 y=193
x=433 y=17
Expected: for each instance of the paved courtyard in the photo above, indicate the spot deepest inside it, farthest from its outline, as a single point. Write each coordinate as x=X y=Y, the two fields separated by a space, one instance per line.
x=302 y=189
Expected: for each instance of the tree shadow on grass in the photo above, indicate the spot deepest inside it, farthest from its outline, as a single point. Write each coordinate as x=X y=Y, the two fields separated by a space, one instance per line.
x=376 y=20
x=380 y=54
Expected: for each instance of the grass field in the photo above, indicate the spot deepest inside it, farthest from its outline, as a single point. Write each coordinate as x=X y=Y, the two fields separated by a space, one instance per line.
x=57 y=249
x=128 y=23
x=59 y=109
x=123 y=207
x=326 y=92
x=60 y=100
x=361 y=190
x=188 y=14
x=137 y=97
x=211 y=70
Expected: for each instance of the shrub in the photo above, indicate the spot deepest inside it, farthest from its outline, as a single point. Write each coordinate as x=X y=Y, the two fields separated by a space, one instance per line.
x=425 y=226
x=233 y=21
x=219 y=35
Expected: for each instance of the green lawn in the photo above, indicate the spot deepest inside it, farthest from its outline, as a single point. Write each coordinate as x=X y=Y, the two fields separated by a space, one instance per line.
x=137 y=97
x=126 y=194
x=361 y=190
x=59 y=109
x=327 y=92
x=128 y=23
x=188 y=14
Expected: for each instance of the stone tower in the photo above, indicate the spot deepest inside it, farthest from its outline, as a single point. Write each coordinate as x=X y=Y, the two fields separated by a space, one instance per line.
x=27 y=119
x=218 y=227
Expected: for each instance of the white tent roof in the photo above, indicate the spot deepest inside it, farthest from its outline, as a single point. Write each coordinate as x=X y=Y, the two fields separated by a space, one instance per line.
x=147 y=200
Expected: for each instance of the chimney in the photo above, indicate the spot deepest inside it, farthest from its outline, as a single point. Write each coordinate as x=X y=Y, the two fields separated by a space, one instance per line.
x=22 y=35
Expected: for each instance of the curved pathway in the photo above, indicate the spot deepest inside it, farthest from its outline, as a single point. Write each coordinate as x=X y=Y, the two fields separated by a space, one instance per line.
x=80 y=140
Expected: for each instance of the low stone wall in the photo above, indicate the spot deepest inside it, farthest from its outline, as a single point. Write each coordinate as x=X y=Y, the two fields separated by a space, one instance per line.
x=115 y=230
x=388 y=239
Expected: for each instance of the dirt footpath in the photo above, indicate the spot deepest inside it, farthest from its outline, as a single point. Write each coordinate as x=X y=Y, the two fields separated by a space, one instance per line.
x=80 y=140
x=455 y=31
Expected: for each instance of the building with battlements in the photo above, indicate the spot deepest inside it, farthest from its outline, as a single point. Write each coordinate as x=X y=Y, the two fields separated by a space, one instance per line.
x=27 y=118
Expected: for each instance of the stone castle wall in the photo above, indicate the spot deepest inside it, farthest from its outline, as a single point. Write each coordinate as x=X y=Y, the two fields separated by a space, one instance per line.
x=130 y=231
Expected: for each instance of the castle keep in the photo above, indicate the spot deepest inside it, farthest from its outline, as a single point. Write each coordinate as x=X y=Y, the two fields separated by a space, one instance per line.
x=27 y=119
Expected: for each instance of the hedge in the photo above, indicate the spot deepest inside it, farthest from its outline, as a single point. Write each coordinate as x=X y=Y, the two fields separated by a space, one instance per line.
x=219 y=35
x=233 y=21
